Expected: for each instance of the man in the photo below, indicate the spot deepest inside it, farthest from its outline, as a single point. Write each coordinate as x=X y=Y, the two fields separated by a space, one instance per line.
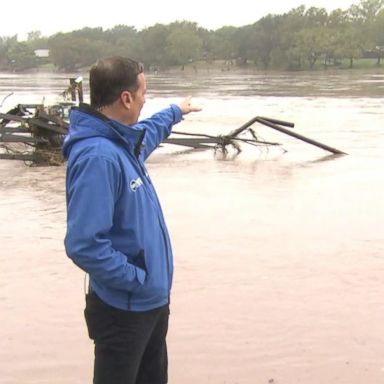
x=115 y=227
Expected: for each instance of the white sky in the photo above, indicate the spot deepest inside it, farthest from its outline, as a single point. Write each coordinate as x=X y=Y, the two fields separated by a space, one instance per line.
x=49 y=17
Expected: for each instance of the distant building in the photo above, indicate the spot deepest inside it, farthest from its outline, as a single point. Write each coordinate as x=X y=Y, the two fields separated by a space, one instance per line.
x=43 y=53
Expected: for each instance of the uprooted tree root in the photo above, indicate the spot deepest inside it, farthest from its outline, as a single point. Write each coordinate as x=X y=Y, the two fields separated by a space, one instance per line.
x=223 y=143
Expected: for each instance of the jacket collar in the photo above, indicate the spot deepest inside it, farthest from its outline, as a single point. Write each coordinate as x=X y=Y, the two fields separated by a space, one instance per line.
x=126 y=133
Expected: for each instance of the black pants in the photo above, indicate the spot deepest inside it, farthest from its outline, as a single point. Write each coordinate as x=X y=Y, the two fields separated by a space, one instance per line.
x=130 y=347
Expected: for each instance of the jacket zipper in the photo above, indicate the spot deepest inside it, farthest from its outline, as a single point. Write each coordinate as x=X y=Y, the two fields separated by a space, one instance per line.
x=144 y=174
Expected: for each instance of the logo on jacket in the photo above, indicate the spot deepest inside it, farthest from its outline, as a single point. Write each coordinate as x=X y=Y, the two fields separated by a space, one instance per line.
x=135 y=183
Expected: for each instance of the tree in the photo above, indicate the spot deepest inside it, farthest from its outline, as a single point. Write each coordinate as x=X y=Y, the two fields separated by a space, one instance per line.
x=122 y=40
x=379 y=36
x=297 y=39
x=221 y=44
x=316 y=17
x=265 y=39
x=312 y=44
x=6 y=43
x=35 y=40
x=152 y=43
x=364 y=17
x=367 y=10
x=347 y=40
x=183 y=43
x=34 y=35
x=21 y=57
x=70 y=53
x=290 y=24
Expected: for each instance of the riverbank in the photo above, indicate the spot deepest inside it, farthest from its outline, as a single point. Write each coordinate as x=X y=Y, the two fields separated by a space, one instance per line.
x=231 y=66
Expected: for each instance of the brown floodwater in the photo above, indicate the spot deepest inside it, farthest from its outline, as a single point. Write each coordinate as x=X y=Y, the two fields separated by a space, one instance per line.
x=279 y=252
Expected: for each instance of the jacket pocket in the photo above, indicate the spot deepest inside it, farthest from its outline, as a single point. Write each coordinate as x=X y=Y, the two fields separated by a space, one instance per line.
x=139 y=261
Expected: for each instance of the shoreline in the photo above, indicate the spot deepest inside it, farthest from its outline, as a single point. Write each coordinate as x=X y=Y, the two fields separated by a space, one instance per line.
x=224 y=67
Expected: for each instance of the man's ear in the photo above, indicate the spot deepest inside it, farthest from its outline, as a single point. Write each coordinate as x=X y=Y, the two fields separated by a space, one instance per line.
x=126 y=99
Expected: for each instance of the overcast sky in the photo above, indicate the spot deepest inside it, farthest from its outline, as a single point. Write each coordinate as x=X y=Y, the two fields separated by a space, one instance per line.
x=49 y=17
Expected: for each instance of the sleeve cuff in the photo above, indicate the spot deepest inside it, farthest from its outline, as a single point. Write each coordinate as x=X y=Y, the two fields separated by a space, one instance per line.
x=178 y=115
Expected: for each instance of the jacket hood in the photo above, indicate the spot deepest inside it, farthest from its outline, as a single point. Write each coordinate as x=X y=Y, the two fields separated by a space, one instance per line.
x=85 y=122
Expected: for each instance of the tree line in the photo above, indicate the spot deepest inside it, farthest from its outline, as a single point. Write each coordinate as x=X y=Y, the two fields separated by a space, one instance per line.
x=299 y=39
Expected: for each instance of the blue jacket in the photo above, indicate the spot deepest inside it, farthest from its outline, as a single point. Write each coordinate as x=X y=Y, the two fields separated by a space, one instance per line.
x=115 y=226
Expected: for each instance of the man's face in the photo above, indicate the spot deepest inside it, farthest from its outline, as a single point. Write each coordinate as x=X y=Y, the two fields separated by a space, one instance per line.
x=138 y=99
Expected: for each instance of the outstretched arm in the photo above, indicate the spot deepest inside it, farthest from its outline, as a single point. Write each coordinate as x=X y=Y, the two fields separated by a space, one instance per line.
x=159 y=126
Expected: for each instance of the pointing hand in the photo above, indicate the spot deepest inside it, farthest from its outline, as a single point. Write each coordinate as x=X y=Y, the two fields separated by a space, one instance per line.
x=186 y=106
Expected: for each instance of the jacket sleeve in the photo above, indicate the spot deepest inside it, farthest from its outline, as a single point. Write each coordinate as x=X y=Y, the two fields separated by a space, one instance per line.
x=158 y=127
x=92 y=187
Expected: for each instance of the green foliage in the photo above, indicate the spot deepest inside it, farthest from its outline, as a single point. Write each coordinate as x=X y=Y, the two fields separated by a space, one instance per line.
x=299 y=39
x=183 y=43
x=21 y=57
x=122 y=40
x=69 y=52
x=151 y=47
x=6 y=44
x=221 y=43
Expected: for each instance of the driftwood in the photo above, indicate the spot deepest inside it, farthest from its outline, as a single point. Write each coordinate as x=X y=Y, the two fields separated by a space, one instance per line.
x=44 y=133
x=30 y=133
x=272 y=124
x=232 y=139
x=35 y=133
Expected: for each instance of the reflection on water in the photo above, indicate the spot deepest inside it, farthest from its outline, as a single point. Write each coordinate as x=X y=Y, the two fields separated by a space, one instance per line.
x=279 y=267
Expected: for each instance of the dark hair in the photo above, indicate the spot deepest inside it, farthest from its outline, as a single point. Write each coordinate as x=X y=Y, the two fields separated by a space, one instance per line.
x=111 y=76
